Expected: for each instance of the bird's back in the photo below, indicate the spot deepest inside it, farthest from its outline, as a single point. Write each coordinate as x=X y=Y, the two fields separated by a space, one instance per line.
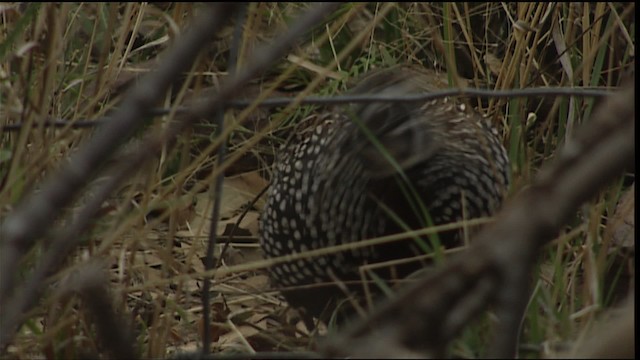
x=376 y=169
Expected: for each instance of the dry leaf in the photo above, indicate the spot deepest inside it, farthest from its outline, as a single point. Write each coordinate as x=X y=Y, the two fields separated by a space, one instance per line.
x=237 y=192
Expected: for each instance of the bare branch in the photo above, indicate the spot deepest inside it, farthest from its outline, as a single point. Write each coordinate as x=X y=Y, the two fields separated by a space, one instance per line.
x=353 y=99
x=33 y=216
x=67 y=239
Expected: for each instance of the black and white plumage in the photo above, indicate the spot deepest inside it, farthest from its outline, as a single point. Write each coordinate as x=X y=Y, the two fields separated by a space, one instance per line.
x=334 y=185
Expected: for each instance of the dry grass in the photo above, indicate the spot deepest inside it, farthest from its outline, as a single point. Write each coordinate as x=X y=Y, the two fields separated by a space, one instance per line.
x=73 y=62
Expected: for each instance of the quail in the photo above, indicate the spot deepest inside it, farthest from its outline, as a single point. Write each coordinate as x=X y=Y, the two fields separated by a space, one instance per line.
x=374 y=169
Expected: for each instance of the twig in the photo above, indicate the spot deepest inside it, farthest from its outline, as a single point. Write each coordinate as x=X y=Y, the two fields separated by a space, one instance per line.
x=352 y=99
x=209 y=262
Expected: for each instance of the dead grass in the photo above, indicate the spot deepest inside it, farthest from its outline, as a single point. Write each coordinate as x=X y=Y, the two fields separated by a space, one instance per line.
x=73 y=62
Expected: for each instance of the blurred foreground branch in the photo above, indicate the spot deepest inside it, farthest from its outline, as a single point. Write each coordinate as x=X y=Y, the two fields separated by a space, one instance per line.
x=612 y=338
x=32 y=218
